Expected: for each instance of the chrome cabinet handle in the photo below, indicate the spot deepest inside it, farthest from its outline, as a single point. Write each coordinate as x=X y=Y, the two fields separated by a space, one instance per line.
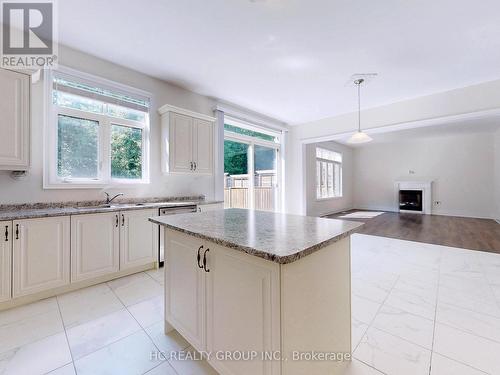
x=195 y=166
x=198 y=258
x=205 y=260
x=6 y=233
x=123 y=220
x=191 y=165
x=17 y=231
x=117 y=221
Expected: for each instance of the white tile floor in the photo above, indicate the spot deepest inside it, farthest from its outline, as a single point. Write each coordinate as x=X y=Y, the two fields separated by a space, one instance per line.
x=417 y=309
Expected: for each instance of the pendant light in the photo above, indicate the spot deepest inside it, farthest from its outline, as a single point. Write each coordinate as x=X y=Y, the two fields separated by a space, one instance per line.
x=360 y=136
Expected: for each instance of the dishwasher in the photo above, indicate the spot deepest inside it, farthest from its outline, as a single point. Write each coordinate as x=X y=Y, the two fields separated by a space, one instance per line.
x=178 y=209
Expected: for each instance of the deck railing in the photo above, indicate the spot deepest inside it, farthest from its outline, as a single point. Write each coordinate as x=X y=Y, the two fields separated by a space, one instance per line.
x=264 y=198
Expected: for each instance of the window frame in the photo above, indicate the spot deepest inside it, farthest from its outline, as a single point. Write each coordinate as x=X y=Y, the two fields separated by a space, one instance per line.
x=51 y=180
x=328 y=162
x=252 y=142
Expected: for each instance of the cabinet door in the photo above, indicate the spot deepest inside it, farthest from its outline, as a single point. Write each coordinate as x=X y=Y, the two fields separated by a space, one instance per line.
x=185 y=287
x=243 y=310
x=5 y=260
x=95 y=245
x=15 y=110
x=41 y=254
x=181 y=143
x=203 y=146
x=138 y=238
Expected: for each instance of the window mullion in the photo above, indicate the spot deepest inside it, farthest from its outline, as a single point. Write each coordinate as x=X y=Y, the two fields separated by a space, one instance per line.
x=105 y=150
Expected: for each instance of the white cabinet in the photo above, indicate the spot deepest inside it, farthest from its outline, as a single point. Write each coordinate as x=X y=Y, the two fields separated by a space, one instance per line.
x=185 y=287
x=181 y=143
x=41 y=255
x=203 y=146
x=138 y=238
x=223 y=300
x=242 y=310
x=95 y=245
x=210 y=207
x=187 y=141
x=15 y=121
x=5 y=260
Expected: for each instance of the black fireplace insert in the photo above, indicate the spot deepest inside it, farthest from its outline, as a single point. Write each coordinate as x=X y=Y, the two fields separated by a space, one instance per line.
x=410 y=200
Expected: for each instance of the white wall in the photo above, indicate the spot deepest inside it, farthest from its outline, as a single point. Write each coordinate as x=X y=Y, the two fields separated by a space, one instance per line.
x=316 y=207
x=497 y=172
x=461 y=165
x=30 y=189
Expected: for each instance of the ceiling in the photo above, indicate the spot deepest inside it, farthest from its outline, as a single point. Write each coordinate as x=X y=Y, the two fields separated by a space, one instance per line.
x=291 y=59
x=489 y=124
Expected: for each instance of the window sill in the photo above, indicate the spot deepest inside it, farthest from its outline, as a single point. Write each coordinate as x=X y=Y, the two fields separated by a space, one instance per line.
x=90 y=185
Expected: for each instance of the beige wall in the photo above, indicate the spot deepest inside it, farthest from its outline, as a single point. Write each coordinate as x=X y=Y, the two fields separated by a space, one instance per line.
x=316 y=207
x=461 y=165
x=30 y=189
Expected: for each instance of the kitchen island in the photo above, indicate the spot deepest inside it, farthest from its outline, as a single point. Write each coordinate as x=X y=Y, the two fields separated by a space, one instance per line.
x=260 y=292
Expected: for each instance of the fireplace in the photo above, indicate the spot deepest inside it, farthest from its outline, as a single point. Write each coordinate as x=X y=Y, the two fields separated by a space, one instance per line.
x=410 y=200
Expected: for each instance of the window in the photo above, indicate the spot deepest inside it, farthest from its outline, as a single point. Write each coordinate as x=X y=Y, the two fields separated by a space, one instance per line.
x=251 y=167
x=328 y=174
x=98 y=133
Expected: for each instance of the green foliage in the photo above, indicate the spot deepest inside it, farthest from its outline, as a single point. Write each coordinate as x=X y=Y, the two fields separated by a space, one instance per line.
x=126 y=152
x=235 y=157
x=77 y=147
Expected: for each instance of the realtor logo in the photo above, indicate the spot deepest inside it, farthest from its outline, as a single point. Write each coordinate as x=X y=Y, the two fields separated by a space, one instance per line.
x=28 y=35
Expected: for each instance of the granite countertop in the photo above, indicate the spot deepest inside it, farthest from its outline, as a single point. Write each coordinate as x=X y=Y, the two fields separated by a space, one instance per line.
x=39 y=210
x=276 y=237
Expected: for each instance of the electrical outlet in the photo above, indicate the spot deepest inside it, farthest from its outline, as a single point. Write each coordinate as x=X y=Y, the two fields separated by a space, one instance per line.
x=411 y=172
x=437 y=203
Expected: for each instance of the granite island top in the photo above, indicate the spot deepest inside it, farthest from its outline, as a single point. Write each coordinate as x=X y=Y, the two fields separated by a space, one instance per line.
x=280 y=238
x=40 y=210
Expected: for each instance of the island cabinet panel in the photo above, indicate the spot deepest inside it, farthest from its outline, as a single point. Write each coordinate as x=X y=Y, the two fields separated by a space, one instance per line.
x=243 y=311
x=138 y=238
x=41 y=255
x=95 y=245
x=316 y=310
x=5 y=260
x=185 y=287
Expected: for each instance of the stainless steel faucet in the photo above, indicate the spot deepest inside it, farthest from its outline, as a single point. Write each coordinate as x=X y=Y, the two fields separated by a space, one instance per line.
x=109 y=200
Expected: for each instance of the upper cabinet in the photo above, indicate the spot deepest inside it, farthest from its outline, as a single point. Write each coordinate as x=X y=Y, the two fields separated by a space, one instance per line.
x=15 y=120
x=187 y=141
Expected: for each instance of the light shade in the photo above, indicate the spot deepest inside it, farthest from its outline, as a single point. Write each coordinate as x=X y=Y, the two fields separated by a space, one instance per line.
x=359 y=137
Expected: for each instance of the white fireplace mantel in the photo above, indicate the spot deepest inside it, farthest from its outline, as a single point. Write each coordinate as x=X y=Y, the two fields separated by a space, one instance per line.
x=424 y=186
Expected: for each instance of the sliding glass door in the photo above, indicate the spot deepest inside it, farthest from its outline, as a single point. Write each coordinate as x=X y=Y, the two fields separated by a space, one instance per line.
x=251 y=169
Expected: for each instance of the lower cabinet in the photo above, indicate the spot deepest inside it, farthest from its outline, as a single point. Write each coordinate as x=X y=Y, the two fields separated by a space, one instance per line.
x=95 y=245
x=221 y=300
x=185 y=297
x=5 y=260
x=37 y=255
x=242 y=310
x=138 y=238
x=41 y=255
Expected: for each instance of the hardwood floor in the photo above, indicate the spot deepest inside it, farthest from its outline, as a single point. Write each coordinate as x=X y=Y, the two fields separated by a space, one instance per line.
x=467 y=233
